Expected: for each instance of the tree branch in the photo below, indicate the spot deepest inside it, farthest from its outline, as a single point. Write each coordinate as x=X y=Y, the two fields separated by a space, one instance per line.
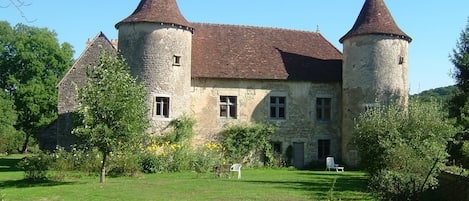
x=19 y=4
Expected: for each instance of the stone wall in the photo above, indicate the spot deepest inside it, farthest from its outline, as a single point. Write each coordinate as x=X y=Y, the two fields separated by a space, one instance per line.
x=150 y=50
x=253 y=99
x=67 y=93
x=374 y=72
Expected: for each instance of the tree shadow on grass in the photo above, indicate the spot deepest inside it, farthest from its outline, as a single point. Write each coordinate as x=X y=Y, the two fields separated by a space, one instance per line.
x=26 y=183
x=321 y=184
x=9 y=164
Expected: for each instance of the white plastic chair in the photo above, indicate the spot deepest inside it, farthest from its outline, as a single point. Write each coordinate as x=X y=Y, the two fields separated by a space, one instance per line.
x=330 y=164
x=236 y=168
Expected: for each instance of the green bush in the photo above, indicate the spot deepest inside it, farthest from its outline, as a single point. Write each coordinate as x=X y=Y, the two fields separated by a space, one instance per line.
x=10 y=142
x=206 y=157
x=465 y=153
x=151 y=163
x=82 y=159
x=123 y=164
x=36 y=167
x=249 y=143
x=403 y=150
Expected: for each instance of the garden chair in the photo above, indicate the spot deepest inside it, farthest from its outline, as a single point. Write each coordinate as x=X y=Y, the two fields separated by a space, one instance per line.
x=236 y=168
x=330 y=164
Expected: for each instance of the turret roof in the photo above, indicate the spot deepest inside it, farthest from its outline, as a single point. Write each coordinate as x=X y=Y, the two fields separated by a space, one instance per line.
x=375 y=18
x=157 y=11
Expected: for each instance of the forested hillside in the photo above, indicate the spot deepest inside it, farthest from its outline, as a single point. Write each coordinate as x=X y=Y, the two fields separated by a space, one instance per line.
x=442 y=94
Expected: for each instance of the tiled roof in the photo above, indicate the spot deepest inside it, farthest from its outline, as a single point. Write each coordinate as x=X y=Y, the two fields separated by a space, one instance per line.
x=375 y=18
x=245 y=52
x=157 y=11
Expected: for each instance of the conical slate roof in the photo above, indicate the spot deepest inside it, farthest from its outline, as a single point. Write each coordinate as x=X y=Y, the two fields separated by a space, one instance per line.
x=157 y=11
x=375 y=18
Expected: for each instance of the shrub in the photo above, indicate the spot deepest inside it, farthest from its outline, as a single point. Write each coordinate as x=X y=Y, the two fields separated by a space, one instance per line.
x=10 y=142
x=78 y=158
x=207 y=156
x=249 y=143
x=465 y=153
x=166 y=157
x=403 y=150
x=123 y=164
x=36 y=167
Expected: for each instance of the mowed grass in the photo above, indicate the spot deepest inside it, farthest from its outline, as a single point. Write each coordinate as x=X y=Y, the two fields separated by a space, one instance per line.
x=255 y=184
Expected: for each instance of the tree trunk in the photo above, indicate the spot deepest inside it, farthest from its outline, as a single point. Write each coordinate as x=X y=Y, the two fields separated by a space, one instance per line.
x=24 y=150
x=102 y=178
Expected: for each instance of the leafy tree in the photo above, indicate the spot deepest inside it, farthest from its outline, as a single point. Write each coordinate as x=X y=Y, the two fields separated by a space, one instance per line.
x=403 y=150
x=10 y=140
x=459 y=106
x=113 y=109
x=31 y=63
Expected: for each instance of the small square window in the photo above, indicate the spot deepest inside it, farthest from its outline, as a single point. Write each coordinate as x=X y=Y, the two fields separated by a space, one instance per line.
x=177 y=60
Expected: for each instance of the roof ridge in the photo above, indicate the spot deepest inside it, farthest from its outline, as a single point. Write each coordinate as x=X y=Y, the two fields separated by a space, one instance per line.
x=256 y=26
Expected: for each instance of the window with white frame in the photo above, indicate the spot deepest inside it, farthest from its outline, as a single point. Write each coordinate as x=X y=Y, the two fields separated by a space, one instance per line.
x=277 y=107
x=161 y=107
x=323 y=109
x=228 y=106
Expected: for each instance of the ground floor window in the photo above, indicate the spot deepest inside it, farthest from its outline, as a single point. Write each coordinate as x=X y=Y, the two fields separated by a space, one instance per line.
x=324 y=148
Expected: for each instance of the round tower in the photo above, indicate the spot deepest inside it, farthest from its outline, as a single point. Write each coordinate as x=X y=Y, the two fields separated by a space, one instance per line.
x=374 y=68
x=156 y=41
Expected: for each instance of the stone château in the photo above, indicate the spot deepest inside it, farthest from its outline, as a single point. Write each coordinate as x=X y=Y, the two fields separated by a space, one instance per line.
x=226 y=74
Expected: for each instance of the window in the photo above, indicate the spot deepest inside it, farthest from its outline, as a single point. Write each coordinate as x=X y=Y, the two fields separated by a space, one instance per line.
x=277 y=148
x=277 y=107
x=324 y=148
x=161 y=107
x=228 y=106
x=323 y=109
x=177 y=60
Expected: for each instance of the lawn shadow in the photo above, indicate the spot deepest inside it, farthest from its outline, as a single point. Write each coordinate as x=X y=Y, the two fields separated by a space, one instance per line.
x=9 y=164
x=26 y=183
x=321 y=183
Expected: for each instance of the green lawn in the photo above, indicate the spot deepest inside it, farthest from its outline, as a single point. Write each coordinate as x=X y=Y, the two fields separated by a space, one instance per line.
x=255 y=184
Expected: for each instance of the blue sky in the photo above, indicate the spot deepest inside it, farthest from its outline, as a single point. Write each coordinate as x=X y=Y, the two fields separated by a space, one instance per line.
x=435 y=26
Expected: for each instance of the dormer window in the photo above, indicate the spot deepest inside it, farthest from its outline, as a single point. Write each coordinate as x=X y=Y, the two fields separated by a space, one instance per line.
x=176 y=60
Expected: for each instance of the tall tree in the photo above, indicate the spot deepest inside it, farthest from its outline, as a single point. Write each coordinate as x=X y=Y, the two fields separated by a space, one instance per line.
x=459 y=106
x=403 y=150
x=8 y=135
x=113 y=109
x=31 y=63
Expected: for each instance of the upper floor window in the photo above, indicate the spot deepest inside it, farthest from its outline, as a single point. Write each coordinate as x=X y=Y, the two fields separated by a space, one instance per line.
x=161 y=107
x=277 y=107
x=228 y=106
x=323 y=109
x=177 y=60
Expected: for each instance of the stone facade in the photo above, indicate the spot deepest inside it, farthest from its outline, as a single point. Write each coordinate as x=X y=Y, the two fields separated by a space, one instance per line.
x=224 y=74
x=74 y=78
x=152 y=50
x=383 y=61
x=300 y=124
